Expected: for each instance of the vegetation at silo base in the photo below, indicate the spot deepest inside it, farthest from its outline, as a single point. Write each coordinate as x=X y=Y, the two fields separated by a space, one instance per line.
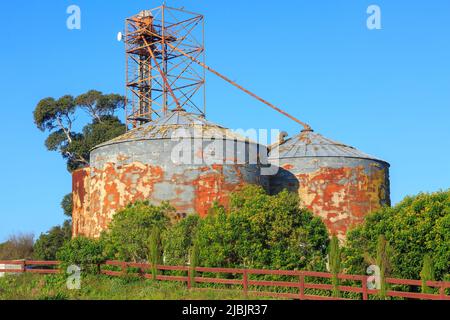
x=98 y=287
x=334 y=258
x=262 y=231
x=48 y=244
x=427 y=273
x=410 y=240
x=417 y=227
x=257 y=231
x=83 y=252
x=128 y=237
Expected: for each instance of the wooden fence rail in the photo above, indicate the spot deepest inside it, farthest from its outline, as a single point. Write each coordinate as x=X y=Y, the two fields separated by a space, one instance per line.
x=302 y=282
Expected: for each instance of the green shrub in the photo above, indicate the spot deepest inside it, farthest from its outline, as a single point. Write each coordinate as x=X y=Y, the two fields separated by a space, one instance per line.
x=383 y=262
x=48 y=244
x=193 y=261
x=128 y=236
x=415 y=227
x=335 y=264
x=427 y=273
x=262 y=231
x=82 y=252
x=178 y=240
x=155 y=250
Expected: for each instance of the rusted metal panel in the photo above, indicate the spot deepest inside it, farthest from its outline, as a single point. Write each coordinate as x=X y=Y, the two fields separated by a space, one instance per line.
x=336 y=182
x=80 y=198
x=140 y=166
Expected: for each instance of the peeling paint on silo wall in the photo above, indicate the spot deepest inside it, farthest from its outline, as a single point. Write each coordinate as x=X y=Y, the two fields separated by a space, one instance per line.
x=123 y=173
x=80 y=198
x=342 y=191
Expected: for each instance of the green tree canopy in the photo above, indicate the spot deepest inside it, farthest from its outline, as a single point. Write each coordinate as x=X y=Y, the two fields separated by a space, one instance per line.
x=99 y=105
x=57 y=116
x=67 y=205
x=415 y=227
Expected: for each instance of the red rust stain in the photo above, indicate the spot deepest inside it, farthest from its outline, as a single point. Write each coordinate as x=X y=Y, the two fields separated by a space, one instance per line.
x=342 y=196
x=288 y=166
x=80 y=197
x=115 y=187
x=212 y=187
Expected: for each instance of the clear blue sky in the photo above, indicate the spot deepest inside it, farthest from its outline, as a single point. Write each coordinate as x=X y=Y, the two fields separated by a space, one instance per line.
x=386 y=92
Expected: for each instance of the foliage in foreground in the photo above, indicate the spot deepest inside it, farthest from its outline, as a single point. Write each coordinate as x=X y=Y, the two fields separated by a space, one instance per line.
x=48 y=244
x=128 y=237
x=258 y=231
x=262 y=231
x=83 y=252
x=96 y=287
x=415 y=227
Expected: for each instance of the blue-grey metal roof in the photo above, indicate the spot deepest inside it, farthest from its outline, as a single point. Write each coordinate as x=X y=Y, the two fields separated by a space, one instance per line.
x=168 y=126
x=310 y=144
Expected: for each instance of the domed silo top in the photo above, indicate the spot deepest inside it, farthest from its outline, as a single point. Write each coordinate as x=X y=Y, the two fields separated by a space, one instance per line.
x=168 y=127
x=309 y=144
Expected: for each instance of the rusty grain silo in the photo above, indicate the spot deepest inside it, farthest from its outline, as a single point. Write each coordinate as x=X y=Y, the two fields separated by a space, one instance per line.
x=170 y=159
x=336 y=182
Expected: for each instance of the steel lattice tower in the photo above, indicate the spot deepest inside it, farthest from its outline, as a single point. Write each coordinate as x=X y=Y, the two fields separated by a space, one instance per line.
x=158 y=77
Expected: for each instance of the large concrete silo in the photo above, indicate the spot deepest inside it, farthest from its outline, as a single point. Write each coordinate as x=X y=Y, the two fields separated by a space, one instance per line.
x=336 y=182
x=170 y=159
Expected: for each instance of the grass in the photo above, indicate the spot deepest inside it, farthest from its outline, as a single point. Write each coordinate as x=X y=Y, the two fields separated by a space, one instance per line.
x=53 y=287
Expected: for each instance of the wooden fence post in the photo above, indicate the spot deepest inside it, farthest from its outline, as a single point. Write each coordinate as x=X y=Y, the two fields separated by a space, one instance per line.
x=301 y=288
x=23 y=264
x=442 y=291
x=189 y=285
x=364 y=287
x=124 y=268
x=245 y=282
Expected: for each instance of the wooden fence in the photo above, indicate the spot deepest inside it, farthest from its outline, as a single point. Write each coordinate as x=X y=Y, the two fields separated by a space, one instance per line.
x=306 y=284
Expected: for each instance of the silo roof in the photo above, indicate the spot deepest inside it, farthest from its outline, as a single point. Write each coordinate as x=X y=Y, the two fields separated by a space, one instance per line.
x=169 y=126
x=309 y=144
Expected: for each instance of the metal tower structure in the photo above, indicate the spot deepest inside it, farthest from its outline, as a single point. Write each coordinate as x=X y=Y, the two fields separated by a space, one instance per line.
x=166 y=65
x=158 y=76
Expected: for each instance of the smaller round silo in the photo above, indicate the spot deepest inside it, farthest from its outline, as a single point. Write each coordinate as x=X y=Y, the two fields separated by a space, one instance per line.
x=335 y=181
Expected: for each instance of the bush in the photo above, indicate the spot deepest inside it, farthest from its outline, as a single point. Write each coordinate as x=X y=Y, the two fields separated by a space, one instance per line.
x=178 y=241
x=82 y=252
x=262 y=231
x=415 y=227
x=427 y=274
x=335 y=264
x=128 y=236
x=49 y=243
x=17 y=247
x=155 y=250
